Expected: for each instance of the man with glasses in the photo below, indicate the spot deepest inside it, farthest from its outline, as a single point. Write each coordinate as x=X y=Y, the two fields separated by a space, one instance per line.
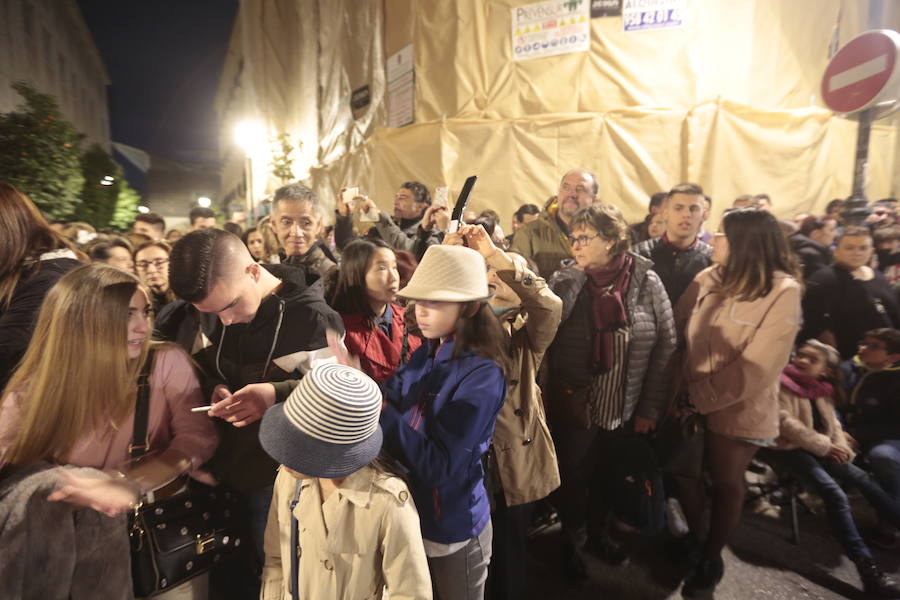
x=872 y=378
x=546 y=239
x=151 y=262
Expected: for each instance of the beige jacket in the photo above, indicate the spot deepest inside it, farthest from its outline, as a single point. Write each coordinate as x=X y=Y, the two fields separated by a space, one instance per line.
x=796 y=425
x=523 y=448
x=365 y=537
x=735 y=352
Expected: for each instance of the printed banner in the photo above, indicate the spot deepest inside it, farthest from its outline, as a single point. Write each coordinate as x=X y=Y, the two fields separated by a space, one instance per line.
x=606 y=8
x=550 y=28
x=401 y=90
x=641 y=15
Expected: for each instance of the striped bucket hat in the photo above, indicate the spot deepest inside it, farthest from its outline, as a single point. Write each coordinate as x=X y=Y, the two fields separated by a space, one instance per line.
x=328 y=427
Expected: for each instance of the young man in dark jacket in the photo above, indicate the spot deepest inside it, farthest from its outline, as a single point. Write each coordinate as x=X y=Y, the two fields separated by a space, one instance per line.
x=679 y=254
x=270 y=328
x=873 y=412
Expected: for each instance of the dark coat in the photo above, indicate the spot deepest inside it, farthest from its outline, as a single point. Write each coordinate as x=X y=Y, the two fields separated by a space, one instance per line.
x=835 y=301
x=813 y=255
x=17 y=320
x=873 y=411
x=676 y=268
x=283 y=341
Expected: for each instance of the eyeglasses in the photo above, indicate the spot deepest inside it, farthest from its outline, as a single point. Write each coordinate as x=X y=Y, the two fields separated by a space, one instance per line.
x=872 y=345
x=143 y=265
x=583 y=240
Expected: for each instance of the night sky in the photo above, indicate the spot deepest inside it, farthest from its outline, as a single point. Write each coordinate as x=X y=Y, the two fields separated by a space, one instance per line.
x=164 y=59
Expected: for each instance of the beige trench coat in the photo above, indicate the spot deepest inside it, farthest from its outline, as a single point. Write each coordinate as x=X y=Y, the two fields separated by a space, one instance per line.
x=797 y=425
x=735 y=352
x=365 y=537
x=523 y=448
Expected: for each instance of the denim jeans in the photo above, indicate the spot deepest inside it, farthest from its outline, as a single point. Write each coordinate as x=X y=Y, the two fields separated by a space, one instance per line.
x=824 y=479
x=884 y=460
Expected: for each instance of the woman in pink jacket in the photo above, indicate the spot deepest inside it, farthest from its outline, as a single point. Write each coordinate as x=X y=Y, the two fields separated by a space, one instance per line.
x=743 y=314
x=72 y=399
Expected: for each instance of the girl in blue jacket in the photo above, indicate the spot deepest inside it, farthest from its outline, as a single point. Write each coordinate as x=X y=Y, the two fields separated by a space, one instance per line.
x=439 y=415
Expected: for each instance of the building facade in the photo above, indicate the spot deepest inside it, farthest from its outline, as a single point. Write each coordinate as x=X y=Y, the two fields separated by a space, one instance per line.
x=47 y=44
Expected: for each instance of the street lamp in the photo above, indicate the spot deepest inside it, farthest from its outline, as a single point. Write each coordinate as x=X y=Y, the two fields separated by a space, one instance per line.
x=250 y=136
x=204 y=202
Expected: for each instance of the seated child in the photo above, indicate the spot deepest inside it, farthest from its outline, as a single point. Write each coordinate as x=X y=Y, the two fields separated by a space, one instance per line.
x=814 y=448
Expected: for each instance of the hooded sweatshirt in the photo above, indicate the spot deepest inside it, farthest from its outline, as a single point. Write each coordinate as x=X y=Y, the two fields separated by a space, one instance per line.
x=285 y=339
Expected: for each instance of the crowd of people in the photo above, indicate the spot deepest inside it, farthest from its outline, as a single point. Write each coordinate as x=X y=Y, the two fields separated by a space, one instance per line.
x=395 y=400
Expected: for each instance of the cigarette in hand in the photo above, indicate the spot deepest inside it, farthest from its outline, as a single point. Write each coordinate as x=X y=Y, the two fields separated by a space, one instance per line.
x=201 y=409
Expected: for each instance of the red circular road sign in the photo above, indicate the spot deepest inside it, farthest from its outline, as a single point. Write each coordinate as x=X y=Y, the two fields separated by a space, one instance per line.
x=864 y=72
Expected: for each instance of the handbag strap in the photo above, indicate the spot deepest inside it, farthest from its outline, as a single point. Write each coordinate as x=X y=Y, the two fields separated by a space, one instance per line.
x=295 y=542
x=140 y=443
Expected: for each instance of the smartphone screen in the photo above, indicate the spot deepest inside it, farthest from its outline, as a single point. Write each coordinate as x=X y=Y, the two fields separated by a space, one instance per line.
x=349 y=194
x=441 y=196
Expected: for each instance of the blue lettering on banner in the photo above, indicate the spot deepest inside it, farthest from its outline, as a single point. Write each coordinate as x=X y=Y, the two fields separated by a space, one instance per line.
x=642 y=15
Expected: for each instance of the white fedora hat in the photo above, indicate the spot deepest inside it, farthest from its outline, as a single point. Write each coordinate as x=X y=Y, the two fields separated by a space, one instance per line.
x=449 y=274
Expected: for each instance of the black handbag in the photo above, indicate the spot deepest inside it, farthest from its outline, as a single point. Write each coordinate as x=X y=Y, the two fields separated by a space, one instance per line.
x=179 y=538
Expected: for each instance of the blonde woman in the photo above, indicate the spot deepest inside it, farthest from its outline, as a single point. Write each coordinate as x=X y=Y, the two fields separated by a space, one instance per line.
x=72 y=399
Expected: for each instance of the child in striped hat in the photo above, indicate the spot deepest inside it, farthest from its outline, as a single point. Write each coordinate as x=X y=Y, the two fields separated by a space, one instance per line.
x=340 y=525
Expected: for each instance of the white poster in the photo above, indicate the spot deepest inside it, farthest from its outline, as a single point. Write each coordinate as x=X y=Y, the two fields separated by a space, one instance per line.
x=401 y=90
x=550 y=28
x=641 y=15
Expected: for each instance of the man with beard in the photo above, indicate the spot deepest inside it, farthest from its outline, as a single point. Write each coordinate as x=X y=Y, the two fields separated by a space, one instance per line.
x=546 y=239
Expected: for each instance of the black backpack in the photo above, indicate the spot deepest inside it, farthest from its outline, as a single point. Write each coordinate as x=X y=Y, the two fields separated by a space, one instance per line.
x=637 y=497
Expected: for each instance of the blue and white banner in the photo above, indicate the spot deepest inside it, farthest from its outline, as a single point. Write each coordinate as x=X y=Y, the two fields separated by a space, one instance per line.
x=643 y=15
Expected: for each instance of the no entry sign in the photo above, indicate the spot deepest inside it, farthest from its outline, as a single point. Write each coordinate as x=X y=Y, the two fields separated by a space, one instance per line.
x=864 y=72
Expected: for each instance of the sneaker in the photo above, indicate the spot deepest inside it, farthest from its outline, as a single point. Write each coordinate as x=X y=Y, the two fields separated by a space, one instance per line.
x=876 y=583
x=702 y=581
x=607 y=550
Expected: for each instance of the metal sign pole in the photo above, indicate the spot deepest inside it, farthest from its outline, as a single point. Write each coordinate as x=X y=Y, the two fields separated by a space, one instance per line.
x=857 y=208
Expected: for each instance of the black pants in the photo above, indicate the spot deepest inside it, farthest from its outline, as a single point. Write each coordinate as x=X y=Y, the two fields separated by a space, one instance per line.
x=507 y=573
x=585 y=463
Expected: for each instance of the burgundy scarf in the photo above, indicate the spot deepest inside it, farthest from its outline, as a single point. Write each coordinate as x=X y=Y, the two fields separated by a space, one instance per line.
x=803 y=386
x=607 y=308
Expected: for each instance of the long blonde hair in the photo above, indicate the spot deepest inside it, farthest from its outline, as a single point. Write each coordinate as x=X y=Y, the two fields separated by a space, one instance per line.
x=76 y=376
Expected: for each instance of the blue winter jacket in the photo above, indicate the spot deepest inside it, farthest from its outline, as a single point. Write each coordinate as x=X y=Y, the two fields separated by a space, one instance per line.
x=438 y=422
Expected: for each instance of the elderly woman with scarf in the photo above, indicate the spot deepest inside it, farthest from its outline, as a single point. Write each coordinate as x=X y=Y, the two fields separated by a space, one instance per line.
x=609 y=368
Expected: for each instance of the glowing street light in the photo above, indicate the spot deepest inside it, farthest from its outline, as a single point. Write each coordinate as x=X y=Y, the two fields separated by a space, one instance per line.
x=204 y=201
x=250 y=135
